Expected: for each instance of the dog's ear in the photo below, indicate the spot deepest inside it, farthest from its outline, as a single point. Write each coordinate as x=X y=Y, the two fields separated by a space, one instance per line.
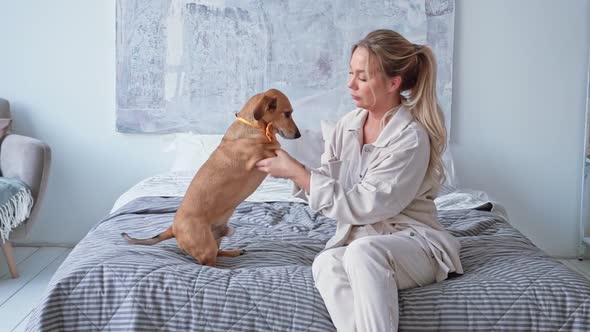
x=266 y=104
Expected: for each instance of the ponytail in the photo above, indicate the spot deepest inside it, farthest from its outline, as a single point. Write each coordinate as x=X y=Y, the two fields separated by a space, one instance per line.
x=423 y=103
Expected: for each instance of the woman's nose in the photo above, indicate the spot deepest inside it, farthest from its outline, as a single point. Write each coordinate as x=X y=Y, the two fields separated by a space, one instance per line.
x=350 y=84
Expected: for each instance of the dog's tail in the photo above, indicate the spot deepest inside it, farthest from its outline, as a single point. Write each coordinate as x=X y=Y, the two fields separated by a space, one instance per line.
x=166 y=235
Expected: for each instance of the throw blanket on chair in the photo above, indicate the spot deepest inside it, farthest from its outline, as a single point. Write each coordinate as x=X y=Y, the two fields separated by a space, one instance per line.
x=16 y=203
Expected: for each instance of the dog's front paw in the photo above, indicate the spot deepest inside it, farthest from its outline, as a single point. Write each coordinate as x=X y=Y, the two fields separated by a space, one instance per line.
x=242 y=252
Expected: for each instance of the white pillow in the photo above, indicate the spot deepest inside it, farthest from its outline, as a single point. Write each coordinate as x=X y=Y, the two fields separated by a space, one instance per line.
x=192 y=150
x=450 y=182
x=307 y=149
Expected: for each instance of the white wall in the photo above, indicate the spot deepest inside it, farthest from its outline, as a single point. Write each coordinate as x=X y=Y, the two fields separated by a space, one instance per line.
x=518 y=110
x=518 y=114
x=57 y=68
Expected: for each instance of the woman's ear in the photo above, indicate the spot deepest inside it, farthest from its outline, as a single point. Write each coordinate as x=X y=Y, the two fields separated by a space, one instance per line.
x=394 y=83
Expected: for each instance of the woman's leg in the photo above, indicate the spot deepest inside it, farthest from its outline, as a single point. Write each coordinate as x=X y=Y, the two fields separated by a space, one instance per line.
x=377 y=266
x=332 y=283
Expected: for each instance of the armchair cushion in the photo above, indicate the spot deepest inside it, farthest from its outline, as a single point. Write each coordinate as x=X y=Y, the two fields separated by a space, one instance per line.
x=16 y=203
x=28 y=160
x=4 y=128
x=24 y=158
x=5 y=119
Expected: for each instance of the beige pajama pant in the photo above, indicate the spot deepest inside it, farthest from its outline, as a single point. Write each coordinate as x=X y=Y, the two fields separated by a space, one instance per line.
x=359 y=282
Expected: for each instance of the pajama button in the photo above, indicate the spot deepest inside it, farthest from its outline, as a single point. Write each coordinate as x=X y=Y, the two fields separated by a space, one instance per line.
x=411 y=233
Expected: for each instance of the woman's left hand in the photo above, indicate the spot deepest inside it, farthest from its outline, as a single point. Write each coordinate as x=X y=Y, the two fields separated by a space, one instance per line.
x=281 y=166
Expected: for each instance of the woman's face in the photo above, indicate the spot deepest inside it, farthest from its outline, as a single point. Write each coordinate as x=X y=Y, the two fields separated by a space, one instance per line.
x=369 y=93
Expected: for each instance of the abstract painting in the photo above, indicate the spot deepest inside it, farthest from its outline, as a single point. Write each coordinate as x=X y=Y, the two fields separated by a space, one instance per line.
x=188 y=65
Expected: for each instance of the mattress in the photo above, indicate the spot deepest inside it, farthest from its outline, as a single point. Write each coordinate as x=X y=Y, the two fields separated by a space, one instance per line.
x=106 y=284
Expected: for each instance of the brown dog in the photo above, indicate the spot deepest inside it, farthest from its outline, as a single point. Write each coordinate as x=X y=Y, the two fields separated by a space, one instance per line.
x=228 y=177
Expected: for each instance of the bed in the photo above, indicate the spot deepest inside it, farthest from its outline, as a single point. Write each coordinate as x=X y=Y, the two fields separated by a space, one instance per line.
x=106 y=284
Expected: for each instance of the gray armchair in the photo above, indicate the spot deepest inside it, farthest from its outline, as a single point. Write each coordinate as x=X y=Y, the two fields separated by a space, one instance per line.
x=27 y=159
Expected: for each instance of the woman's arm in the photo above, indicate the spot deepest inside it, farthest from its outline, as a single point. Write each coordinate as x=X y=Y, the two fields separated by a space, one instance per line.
x=387 y=188
x=302 y=178
x=286 y=167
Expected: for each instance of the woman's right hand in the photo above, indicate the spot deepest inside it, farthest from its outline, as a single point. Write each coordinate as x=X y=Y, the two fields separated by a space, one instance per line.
x=282 y=166
x=286 y=167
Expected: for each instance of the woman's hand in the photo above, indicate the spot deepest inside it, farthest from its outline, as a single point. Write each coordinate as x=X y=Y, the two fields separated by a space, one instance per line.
x=281 y=166
x=284 y=166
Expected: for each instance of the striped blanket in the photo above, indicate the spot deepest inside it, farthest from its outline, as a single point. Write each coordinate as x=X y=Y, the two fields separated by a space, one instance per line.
x=108 y=285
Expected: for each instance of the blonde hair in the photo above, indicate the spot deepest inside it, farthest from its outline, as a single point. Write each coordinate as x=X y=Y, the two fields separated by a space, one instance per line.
x=416 y=65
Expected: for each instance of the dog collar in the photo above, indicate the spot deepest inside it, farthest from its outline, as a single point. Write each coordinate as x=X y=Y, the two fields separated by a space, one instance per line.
x=267 y=130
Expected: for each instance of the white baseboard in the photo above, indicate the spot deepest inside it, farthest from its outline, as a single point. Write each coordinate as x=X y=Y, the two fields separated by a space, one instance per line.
x=42 y=244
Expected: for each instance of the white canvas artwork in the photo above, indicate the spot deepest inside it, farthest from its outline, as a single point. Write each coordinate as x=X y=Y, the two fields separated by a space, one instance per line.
x=186 y=65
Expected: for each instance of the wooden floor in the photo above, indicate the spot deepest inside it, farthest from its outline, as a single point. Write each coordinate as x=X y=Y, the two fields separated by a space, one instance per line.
x=18 y=296
x=37 y=265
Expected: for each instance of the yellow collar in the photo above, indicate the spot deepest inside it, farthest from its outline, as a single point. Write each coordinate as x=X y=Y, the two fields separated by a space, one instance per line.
x=267 y=131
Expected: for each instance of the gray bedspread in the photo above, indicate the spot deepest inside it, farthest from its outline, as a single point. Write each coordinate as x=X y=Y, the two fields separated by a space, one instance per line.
x=106 y=284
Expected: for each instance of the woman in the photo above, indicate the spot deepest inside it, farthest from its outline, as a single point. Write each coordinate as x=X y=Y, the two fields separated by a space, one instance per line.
x=378 y=181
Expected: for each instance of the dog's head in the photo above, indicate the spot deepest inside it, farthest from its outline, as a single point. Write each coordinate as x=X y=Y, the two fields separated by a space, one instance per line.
x=274 y=107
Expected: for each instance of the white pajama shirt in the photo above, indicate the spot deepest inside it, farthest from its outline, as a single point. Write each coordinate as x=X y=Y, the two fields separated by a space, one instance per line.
x=387 y=232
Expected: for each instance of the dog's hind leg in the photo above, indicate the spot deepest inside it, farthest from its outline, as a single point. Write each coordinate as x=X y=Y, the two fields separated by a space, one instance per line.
x=219 y=232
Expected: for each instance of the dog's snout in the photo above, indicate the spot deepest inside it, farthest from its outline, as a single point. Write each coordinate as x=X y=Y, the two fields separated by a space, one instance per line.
x=289 y=134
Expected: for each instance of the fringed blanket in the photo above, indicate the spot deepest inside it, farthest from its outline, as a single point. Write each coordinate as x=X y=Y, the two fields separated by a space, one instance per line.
x=16 y=203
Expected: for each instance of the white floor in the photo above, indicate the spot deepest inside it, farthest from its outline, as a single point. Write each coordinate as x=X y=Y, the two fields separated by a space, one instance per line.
x=37 y=265
x=582 y=267
x=19 y=296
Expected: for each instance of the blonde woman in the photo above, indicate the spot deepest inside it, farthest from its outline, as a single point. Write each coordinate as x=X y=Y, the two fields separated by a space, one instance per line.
x=378 y=181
